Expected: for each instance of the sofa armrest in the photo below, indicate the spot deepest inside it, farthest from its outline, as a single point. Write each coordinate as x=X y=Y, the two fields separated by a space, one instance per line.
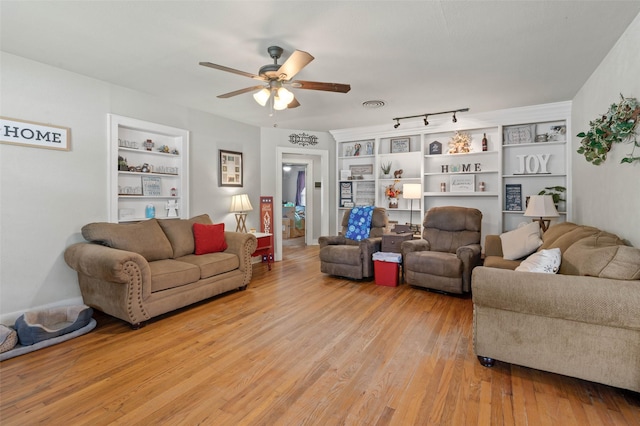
x=368 y=246
x=414 y=245
x=242 y=245
x=104 y=263
x=493 y=246
x=332 y=240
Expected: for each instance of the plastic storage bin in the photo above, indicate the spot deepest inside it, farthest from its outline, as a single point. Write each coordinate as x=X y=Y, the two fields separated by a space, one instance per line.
x=385 y=268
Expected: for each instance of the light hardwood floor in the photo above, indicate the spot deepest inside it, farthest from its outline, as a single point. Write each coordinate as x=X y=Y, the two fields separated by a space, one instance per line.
x=297 y=348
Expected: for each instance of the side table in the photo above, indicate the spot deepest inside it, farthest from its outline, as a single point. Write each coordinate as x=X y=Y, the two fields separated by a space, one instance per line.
x=265 y=247
x=391 y=242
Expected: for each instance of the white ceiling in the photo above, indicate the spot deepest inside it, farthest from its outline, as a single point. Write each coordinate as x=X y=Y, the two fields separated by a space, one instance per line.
x=417 y=56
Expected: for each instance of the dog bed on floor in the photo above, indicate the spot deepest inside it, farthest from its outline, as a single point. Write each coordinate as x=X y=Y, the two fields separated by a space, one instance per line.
x=20 y=349
x=36 y=326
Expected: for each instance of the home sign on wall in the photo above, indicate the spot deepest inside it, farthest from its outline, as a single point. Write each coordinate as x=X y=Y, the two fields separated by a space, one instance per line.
x=38 y=135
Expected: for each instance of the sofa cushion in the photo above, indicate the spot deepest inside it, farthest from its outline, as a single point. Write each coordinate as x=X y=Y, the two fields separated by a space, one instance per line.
x=564 y=234
x=209 y=238
x=212 y=264
x=180 y=233
x=521 y=241
x=169 y=273
x=544 y=261
x=602 y=255
x=145 y=238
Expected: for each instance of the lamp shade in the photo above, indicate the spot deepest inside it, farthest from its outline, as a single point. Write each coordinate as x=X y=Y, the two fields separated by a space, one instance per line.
x=240 y=203
x=541 y=206
x=411 y=191
x=262 y=96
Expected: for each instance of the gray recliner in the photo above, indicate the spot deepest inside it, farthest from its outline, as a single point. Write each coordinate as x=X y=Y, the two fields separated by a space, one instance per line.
x=349 y=258
x=450 y=249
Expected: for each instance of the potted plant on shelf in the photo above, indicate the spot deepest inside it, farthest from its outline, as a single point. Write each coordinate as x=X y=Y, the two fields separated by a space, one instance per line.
x=391 y=192
x=386 y=169
x=556 y=193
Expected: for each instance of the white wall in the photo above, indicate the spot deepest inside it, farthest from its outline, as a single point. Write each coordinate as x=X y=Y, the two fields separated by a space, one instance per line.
x=46 y=196
x=608 y=196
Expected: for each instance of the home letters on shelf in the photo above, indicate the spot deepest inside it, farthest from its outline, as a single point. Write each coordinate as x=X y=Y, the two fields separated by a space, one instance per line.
x=461 y=168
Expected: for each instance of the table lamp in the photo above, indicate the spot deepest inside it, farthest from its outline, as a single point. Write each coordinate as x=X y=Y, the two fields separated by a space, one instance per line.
x=239 y=205
x=541 y=206
x=412 y=191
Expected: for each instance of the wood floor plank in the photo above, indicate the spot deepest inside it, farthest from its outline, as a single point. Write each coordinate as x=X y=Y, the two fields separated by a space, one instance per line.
x=298 y=347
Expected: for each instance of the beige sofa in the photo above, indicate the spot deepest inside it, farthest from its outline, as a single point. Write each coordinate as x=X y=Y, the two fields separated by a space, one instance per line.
x=583 y=322
x=139 y=271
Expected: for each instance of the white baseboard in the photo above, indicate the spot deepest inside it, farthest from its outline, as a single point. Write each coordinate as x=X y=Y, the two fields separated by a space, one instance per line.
x=11 y=317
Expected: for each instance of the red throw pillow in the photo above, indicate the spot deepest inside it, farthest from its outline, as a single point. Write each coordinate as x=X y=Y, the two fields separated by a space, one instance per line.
x=209 y=238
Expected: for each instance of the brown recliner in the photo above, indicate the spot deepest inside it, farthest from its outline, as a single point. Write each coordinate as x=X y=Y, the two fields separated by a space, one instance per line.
x=349 y=258
x=450 y=249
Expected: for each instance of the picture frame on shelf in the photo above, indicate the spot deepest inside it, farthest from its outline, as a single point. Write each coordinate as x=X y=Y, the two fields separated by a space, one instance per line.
x=399 y=145
x=513 y=197
x=230 y=168
x=463 y=183
x=519 y=134
x=361 y=169
x=151 y=186
x=345 y=174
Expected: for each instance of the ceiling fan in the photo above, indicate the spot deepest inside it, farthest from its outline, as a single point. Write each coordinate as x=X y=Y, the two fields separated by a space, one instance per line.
x=278 y=78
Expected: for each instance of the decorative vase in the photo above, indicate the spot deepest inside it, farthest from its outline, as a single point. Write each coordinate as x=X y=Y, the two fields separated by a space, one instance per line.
x=393 y=203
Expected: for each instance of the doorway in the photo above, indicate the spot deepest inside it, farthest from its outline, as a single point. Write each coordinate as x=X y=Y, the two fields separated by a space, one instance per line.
x=294 y=202
x=316 y=196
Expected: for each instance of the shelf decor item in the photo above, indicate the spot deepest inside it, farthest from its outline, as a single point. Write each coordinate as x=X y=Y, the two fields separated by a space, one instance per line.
x=460 y=143
x=400 y=145
x=392 y=193
x=463 y=183
x=230 y=168
x=386 y=169
x=513 y=197
x=151 y=186
x=435 y=148
x=616 y=125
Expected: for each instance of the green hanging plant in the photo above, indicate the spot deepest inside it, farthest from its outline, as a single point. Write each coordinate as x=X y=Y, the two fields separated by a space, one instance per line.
x=617 y=125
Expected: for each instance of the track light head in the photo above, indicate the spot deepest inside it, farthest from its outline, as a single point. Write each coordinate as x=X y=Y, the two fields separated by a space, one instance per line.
x=426 y=121
x=395 y=126
x=455 y=120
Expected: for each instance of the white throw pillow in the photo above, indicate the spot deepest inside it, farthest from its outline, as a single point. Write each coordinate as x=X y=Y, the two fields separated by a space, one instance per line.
x=521 y=242
x=547 y=261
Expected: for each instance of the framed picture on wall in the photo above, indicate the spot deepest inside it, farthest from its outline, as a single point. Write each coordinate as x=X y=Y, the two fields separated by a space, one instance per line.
x=230 y=168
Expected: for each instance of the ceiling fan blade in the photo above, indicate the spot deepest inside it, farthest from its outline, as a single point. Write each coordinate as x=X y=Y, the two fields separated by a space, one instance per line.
x=316 y=85
x=231 y=70
x=294 y=103
x=241 y=91
x=298 y=60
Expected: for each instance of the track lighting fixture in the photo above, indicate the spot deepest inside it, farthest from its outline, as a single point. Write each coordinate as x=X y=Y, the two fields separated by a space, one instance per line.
x=426 y=116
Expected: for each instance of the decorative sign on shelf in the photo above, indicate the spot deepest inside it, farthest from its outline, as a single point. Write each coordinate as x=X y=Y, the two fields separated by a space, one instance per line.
x=303 y=139
x=435 y=148
x=461 y=168
x=266 y=214
x=151 y=186
x=532 y=164
x=463 y=183
x=38 y=135
x=513 y=197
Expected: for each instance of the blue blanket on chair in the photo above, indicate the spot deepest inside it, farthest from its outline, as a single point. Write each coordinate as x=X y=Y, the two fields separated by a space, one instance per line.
x=359 y=223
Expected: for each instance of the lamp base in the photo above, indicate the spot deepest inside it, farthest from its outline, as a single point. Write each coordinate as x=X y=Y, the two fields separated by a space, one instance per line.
x=544 y=223
x=241 y=222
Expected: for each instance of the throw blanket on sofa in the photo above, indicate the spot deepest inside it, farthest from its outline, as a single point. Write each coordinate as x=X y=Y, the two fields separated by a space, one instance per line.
x=359 y=223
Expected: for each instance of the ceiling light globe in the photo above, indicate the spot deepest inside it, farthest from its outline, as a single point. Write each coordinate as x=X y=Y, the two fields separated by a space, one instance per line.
x=285 y=95
x=279 y=104
x=262 y=96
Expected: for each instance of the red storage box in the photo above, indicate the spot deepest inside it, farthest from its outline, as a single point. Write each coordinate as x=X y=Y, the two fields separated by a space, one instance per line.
x=386 y=273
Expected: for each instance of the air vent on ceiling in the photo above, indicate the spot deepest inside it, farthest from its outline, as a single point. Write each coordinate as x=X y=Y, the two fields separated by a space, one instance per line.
x=373 y=104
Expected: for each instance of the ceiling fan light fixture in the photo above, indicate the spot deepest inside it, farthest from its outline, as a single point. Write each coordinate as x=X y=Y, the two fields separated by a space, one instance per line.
x=285 y=95
x=279 y=104
x=262 y=96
